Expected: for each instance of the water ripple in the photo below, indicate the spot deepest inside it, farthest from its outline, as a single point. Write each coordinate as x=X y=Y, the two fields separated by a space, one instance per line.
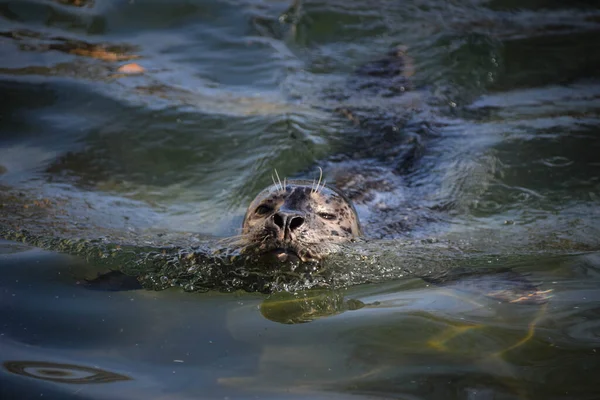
x=62 y=373
x=557 y=161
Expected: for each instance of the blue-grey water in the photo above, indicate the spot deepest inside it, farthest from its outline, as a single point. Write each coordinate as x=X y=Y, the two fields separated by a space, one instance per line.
x=506 y=104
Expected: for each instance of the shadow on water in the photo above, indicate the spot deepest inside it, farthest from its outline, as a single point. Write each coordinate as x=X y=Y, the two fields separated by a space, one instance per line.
x=476 y=156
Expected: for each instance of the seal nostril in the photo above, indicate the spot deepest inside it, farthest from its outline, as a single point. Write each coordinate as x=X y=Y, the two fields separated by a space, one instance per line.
x=296 y=222
x=278 y=220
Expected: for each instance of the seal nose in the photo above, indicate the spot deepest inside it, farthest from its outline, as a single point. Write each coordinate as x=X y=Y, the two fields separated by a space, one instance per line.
x=287 y=222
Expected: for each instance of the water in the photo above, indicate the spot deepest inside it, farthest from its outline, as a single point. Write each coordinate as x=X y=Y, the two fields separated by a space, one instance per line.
x=505 y=102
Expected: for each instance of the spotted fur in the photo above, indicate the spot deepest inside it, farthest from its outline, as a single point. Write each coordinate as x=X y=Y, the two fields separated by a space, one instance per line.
x=298 y=219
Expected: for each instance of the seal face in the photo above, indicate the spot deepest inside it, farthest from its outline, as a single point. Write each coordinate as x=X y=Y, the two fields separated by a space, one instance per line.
x=299 y=220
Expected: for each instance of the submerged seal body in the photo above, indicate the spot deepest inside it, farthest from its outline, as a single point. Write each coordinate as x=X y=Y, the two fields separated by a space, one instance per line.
x=303 y=220
x=300 y=219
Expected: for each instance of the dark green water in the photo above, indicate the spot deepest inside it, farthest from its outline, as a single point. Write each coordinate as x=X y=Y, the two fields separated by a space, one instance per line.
x=506 y=103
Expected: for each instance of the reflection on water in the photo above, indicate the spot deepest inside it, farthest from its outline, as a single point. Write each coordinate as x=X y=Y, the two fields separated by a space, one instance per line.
x=484 y=153
x=62 y=373
x=395 y=338
x=289 y=308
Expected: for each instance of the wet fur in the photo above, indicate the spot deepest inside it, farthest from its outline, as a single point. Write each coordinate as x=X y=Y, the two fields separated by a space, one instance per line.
x=316 y=237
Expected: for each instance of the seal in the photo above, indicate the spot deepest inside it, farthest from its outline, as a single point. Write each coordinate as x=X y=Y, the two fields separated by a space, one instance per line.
x=299 y=219
x=307 y=221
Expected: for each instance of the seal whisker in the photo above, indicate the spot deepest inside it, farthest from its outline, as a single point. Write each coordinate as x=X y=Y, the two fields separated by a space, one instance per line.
x=234 y=237
x=279 y=180
x=320 y=177
x=316 y=188
x=233 y=240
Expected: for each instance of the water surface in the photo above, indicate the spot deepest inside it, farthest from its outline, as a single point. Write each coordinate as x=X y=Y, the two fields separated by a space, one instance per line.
x=505 y=101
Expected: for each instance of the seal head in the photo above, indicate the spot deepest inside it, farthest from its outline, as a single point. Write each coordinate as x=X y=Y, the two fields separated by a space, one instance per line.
x=299 y=221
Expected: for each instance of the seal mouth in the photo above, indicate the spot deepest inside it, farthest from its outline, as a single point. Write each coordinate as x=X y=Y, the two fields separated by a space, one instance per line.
x=286 y=255
x=291 y=255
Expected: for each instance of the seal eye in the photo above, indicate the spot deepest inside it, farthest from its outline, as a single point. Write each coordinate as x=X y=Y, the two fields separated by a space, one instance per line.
x=262 y=210
x=326 y=215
